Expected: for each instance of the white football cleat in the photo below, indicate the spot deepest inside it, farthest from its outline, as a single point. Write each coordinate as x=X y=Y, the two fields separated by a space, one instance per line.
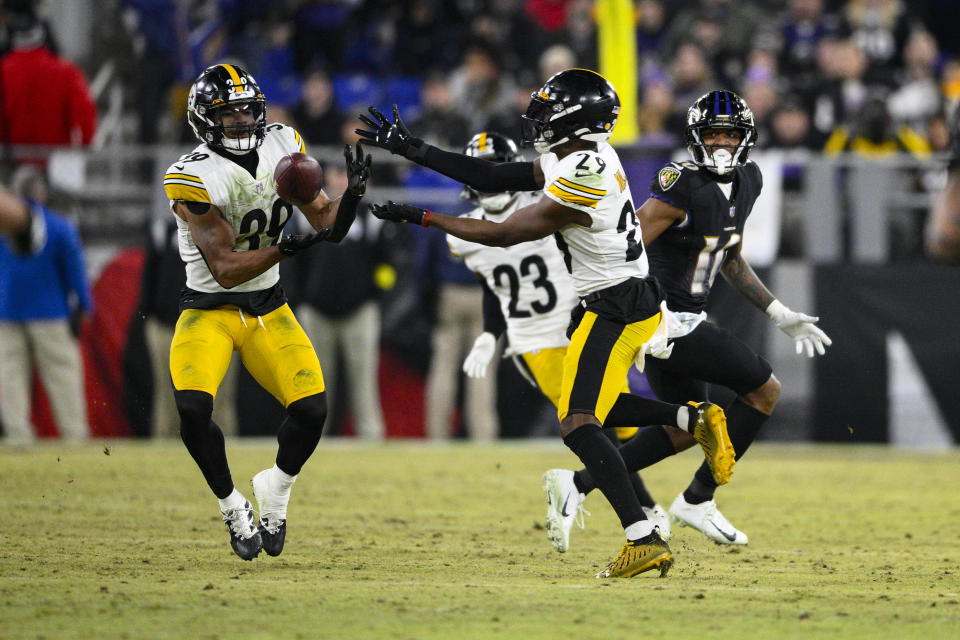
x=272 y=505
x=564 y=507
x=659 y=518
x=707 y=519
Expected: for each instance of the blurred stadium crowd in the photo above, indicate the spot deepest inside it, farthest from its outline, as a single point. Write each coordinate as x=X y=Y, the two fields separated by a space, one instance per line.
x=807 y=68
x=875 y=78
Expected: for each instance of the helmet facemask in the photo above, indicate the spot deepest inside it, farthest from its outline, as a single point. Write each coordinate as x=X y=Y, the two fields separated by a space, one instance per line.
x=720 y=110
x=494 y=147
x=716 y=158
x=220 y=89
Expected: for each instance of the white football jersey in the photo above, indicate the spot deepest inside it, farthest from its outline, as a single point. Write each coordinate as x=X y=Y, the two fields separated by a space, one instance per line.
x=251 y=205
x=611 y=249
x=531 y=282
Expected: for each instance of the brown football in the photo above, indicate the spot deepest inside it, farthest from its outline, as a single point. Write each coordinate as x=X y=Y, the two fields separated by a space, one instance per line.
x=298 y=177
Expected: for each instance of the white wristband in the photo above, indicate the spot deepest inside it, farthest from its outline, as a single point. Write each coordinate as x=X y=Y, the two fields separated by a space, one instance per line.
x=776 y=309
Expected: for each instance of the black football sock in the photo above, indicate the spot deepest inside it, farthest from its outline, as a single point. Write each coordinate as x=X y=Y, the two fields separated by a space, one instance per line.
x=585 y=484
x=649 y=446
x=606 y=467
x=743 y=424
x=204 y=440
x=636 y=411
x=300 y=432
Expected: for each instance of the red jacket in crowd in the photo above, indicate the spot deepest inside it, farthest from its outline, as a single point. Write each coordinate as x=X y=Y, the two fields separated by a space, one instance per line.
x=45 y=100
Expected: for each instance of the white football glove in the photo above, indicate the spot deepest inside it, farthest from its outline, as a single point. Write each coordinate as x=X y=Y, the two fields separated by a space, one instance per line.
x=801 y=327
x=475 y=364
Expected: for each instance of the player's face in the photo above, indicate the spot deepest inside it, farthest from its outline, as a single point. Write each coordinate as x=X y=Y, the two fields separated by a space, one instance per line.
x=721 y=139
x=237 y=121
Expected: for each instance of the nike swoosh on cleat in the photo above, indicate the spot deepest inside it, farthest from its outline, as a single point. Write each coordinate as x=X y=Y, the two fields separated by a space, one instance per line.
x=729 y=536
x=563 y=510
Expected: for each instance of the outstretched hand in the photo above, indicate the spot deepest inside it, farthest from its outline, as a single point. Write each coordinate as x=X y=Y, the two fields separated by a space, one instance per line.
x=357 y=170
x=399 y=212
x=294 y=243
x=801 y=327
x=392 y=136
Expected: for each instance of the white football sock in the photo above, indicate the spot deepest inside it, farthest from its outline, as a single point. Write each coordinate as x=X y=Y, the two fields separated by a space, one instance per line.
x=233 y=501
x=639 y=529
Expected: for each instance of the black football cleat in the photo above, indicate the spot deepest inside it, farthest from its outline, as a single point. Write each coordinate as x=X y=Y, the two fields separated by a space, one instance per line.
x=244 y=536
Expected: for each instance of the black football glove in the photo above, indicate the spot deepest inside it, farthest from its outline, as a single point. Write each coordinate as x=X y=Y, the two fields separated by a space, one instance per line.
x=357 y=170
x=394 y=137
x=399 y=212
x=294 y=243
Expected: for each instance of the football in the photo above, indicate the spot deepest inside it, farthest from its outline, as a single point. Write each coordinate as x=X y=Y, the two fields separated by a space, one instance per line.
x=298 y=177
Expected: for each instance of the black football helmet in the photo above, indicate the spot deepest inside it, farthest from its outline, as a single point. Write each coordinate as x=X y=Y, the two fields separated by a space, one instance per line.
x=219 y=87
x=720 y=110
x=573 y=104
x=495 y=147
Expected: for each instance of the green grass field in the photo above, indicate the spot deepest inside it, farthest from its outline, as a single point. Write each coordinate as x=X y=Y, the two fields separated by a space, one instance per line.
x=405 y=540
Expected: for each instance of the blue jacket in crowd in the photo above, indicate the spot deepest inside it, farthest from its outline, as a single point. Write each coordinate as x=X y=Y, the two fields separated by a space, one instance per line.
x=37 y=286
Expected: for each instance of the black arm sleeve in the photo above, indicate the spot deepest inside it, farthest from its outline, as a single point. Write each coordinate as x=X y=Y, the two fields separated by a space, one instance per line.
x=482 y=175
x=346 y=214
x=493 y=320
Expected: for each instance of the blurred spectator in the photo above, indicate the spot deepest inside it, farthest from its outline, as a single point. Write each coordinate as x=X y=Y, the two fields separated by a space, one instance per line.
x=790 y=128
x=555 y=59
x=917 y=98
x=45 y=99
x=879 y=28
x=459 y=320
x=316 y=116
x=760 y=93
x=40 y=292
x=652 y=25
x=723 y=29
x=320 y=33
x=509 y=121
x=505 y=24
x=281 y=82
x=426 y=33
x=161 y=283
x=655 y=105
x=842 y=89
x=873 y=134
x=794 y=37
x=337 y=291
x=159 y=43
x=691 y=79
x=942 y=234
x=439 y=123
x=479 y=87
x=580 y=32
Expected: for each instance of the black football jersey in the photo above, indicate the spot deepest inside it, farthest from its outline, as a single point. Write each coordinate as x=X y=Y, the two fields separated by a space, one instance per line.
x=687 y=256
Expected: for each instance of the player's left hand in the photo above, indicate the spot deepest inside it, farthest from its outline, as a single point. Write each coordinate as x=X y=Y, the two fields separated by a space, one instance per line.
x=476 y=362
x=399 y=212
x=801 y=327
x=294 y=243
x=357 y=170
x=392 y=136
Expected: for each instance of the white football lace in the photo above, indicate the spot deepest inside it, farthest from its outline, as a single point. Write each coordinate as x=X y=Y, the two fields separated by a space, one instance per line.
x=240 y=522
x=581 y=511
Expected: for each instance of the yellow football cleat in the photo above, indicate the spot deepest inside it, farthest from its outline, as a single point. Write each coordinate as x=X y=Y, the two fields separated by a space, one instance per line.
x=711 y=432
x=649 y=552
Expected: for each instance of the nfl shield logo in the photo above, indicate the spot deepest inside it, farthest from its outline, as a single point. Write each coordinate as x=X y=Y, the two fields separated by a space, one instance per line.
x=733 y=211
x=260 y=191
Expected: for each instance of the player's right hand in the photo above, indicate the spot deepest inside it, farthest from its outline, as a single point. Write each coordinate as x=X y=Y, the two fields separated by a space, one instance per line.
x=399 y=212
x=392 y=136
x=476 y=362
x=294 y=243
